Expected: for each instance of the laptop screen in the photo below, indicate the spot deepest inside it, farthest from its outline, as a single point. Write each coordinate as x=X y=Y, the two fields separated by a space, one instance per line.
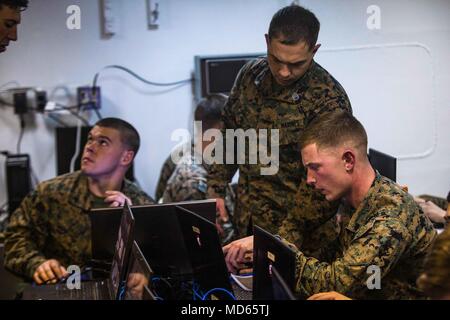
x=122 y=251
x=138 y=275
x=268 y=252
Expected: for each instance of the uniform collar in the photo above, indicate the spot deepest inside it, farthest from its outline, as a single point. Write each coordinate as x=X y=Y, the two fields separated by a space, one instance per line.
x=81 y=196
x=360 y=215
x=264 y=83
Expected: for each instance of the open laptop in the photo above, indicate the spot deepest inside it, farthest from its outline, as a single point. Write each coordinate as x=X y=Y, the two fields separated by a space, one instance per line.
x=138 y=277
x=108 y=289
x=385 y=164
x=209 y=271
x=269 y=252
x=105 y=223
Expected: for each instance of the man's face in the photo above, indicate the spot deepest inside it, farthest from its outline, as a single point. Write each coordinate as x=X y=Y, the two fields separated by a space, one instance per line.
x=104 y=153
x=9 y=19
x=288 y=63
x=326 y=171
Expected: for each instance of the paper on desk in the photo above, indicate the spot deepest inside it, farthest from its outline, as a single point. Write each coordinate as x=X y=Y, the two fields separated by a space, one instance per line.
x=243 y=281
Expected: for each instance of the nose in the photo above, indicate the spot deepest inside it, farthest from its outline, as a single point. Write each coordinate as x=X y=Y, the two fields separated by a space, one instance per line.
x=310 y=179
x=89 y=146
x=284 y=71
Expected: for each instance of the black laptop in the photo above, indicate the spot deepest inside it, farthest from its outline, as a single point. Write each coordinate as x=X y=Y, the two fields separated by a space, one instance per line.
x=108 y=289
x=105 y=223
x=269 y=252
x=209 y=272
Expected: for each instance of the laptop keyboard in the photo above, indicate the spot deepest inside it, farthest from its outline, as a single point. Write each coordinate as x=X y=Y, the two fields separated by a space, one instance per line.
x=88 y=291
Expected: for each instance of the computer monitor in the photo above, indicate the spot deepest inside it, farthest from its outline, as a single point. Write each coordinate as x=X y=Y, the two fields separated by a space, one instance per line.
x=217 y=73
x=269 y=251
x=384 y=163
x=18 y=179
x=210 y=276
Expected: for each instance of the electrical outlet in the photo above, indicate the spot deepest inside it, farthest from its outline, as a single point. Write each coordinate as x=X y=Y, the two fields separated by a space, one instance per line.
x=88 y=97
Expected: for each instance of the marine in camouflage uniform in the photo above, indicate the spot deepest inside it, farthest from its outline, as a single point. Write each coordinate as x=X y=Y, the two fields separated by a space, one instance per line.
x=388 y=230
x=52 y=222
x=188 y=182
x=257 y=101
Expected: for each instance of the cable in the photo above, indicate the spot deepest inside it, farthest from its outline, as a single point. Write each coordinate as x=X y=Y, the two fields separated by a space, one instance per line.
x=22 y=131
x=97 y=112
x=94 y=83
x=218 y=289
x=15 y=83
x=58 y=121
x=77 y=144
x=64 y=108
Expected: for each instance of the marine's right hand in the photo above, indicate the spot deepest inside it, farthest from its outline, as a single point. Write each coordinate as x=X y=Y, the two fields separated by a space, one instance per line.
x=238 y=253
x=49 y=271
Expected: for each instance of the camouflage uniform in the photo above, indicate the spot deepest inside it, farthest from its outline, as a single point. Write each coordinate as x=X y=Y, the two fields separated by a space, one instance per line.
x=52 y=222
x=166 y=171
x=189 y=182
x=388 y=230
x=257 y=102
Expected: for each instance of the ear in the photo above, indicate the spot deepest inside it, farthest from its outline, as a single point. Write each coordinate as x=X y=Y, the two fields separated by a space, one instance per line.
x=349 y=160
x=316 y=47
x=127 y=157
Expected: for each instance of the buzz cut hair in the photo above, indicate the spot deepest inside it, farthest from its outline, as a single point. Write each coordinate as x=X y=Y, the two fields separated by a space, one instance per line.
x=128 y=134
x=335 y=129
x=293 y=24
x=15 y=4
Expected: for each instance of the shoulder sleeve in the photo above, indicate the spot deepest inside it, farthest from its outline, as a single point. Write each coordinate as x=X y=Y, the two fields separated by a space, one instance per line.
x=25 y=234
x=380 y=245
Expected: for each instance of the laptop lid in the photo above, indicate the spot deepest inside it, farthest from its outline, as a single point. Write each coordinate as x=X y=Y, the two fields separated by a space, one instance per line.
x=206 y=257
x=122 y=253
x=138 y=275
x=269 y=251
x=281 y=290
x=384 y=163
x=105 y=223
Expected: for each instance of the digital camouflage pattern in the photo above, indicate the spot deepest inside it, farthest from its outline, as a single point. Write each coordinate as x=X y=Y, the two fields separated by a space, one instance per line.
x=257 y=102
x=189 y=181
x=166 y=172
x=52 y=222
x=388 y=230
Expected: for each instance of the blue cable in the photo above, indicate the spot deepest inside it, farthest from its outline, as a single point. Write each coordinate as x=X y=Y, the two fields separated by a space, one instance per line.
x=218 y=289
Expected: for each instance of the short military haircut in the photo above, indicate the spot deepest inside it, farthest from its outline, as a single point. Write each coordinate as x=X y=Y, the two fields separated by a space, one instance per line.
x=15 y=4
x=128 y=134
x=293 y=24
x=335 y=129
x=209 y=110
x=436 y=279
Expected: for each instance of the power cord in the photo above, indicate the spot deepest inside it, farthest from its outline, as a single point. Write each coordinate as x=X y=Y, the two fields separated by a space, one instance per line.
x=152 y=83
